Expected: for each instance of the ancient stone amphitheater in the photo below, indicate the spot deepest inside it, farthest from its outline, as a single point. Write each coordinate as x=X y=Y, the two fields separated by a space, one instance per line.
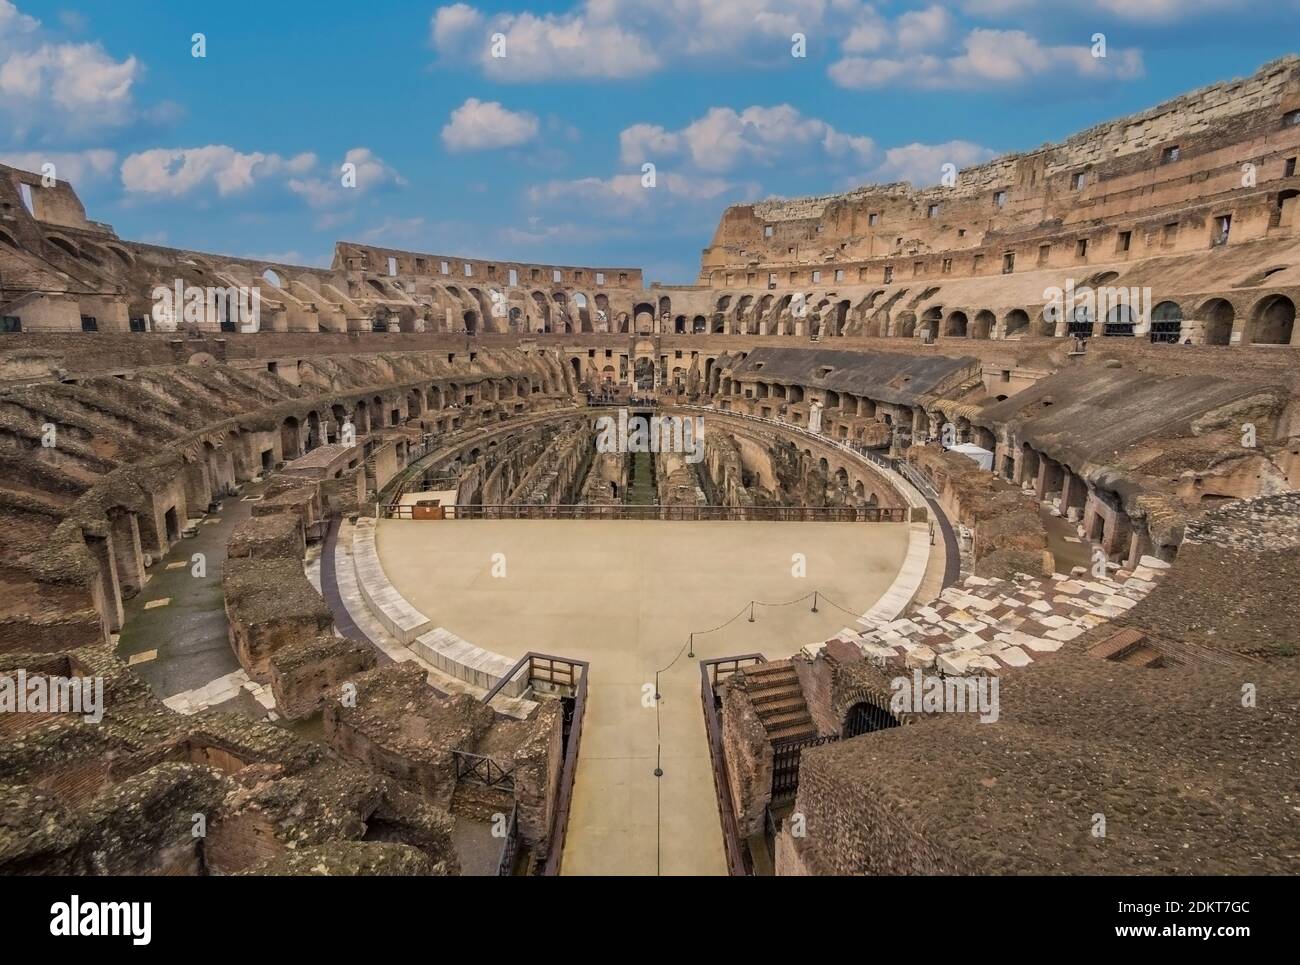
x=1041 y=425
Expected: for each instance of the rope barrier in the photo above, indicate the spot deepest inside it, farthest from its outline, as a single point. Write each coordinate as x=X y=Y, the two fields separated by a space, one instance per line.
x=689 y=647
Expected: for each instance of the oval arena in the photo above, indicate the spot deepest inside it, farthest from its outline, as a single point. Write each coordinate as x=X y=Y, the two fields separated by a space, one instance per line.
x=364 y=587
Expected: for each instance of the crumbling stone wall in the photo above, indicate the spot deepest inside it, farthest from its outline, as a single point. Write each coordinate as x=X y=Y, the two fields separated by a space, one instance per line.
x=1008 y=533
x=124 y=795
x=400 y=728
x=276 y=536
x=270 y=605
x=748 y=754
x=849 y=831
x=305 y=675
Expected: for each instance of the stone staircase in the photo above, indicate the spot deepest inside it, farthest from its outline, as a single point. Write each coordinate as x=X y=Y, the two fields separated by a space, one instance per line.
x=779 y=702
x=1128 y=646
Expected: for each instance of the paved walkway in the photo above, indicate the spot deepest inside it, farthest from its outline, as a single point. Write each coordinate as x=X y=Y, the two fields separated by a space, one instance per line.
x=625 y=595
x=175 y=634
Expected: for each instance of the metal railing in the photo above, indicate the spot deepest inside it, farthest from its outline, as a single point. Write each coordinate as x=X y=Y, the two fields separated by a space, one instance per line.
x=785 y=766
x=899 y=466
x=711 y=673
x=804 y=514
x=487 y=771
x=569 y=678
x=510 y=847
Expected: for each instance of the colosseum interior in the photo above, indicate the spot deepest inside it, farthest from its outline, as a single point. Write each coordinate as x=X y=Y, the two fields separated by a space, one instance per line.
x=365 y=592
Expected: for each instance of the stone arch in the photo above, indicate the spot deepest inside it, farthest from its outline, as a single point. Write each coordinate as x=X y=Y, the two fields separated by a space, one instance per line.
x=1167 y=323
x=583 y=308
x=1016 y=323
x=64 y=245
x=563 y=321
x=839 y=315
x=742 y=308
x=1120 y=321
x=1080 y=323
x=957 y=325
x=290 y=436
x=846 y=701
x=314 y=435
x=1273 y=321
x=1217 y=318
x=931 y=319
x=983 y=325
x=905 y=325
x=543 y=308
x=643 y=315
x=865 y=717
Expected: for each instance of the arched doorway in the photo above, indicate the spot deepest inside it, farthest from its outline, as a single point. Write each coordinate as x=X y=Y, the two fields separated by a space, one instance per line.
x=645 y=373
x=1219 y=318
x=1017 y=322
x=289 y=439
x=865 y=717
x=1167 y=323
x=930 y=322
x=1119 y=322
x=1274 y=321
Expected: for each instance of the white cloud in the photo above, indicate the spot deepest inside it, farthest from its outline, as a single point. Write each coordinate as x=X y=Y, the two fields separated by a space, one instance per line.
x=76 y=167
x=642 y=142
x=59 y=89
x=988 y=58
x=630 y=38
x=372 y=174
x=453 y=25
x=174 y=172
x=394 y=229
x=1148 y=10
x=541 y=47
x=921 y=29
x=485 y=125
x=922 y=164
x=724 y=139
x=626 y=192
x=624 y=39
x=14 y=22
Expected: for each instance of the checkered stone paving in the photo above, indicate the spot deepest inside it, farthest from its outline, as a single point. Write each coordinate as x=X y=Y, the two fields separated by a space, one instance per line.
x=988 y=625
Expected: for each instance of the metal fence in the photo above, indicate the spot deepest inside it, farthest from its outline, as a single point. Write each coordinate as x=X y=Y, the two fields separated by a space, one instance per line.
x=711 y=673
x=785 y=766
x=803 y=514
x=476 y=769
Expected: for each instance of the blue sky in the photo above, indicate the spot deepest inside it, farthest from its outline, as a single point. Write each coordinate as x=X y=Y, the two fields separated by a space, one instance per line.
x=537 y=155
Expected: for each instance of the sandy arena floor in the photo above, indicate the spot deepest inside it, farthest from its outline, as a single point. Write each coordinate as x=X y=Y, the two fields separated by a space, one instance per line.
x=625 y=596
